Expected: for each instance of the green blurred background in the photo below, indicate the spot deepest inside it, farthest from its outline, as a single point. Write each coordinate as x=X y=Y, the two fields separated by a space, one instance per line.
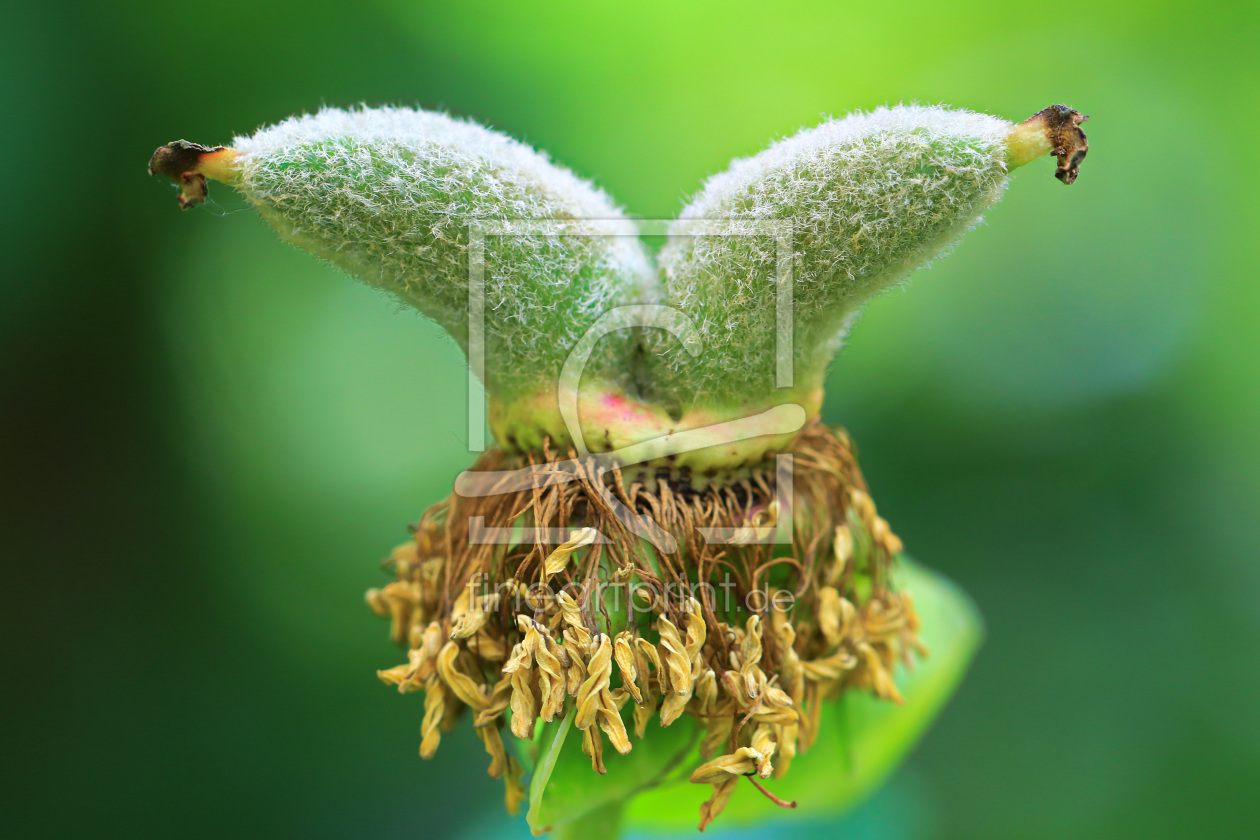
x=209 y=440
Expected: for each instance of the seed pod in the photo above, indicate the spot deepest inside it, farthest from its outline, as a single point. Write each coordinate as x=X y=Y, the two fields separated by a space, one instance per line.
x=847 y=209
x=389 y=195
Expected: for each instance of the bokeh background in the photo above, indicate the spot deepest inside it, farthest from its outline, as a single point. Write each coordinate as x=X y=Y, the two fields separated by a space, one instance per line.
x=208 y=440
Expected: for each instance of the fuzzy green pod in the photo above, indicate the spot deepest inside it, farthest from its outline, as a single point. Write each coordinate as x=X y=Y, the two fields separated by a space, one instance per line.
x=391 y=196
x=862 y=201
x=762 y=274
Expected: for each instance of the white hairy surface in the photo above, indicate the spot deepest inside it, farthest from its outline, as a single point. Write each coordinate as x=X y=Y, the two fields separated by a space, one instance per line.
x=388 y=195
x=867 y=199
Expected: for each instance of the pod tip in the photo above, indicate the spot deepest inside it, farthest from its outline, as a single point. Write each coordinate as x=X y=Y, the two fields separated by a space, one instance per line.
x=1055 y=130
x=189 y=164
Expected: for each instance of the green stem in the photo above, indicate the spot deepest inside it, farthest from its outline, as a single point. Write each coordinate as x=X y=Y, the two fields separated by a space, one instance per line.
x=604 y=823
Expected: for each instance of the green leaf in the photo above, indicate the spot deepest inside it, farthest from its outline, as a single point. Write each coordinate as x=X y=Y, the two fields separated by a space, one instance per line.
x=550 y=740
x=564 y=788
x=862 y=739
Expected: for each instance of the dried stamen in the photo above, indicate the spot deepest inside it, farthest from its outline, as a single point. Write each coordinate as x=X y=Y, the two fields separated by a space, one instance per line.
x=754 y=680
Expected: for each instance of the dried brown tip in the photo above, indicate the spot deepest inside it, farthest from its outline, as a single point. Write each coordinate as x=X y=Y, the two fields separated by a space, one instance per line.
x=189 y=164
x=1056 y=131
